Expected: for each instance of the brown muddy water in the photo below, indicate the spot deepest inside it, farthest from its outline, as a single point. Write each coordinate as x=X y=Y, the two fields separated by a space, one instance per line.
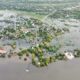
x=61 y=70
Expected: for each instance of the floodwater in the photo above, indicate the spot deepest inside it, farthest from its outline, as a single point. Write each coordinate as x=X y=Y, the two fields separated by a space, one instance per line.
x=20 y=43
x=69 y=41
x=61 y=70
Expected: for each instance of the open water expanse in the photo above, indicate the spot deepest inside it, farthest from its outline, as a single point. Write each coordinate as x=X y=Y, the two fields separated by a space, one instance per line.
x=10 y=69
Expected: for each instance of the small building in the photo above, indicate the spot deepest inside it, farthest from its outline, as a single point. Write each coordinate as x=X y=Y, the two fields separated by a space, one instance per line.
x=2 y=51
x=69 y=55
x=24 y=30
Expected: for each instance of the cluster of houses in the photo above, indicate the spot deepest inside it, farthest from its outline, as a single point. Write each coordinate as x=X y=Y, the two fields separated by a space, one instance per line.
x=12 y=19
x=68 y=55
x=72 y=22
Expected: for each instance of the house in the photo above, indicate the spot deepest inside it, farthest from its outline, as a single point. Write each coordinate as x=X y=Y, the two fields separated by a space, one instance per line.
x=2 y=51
x=69 y=55
x=24 y=30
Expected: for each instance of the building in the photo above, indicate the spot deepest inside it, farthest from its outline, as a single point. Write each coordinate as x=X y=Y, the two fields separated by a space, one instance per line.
x=2 y=51
x=69 y=55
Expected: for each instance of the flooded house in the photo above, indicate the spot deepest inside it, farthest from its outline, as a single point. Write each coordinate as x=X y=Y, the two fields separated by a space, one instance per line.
x=69 y=55
x=2 y=52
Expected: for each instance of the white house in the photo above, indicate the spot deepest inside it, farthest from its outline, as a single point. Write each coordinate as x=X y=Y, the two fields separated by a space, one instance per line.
x=69 y=55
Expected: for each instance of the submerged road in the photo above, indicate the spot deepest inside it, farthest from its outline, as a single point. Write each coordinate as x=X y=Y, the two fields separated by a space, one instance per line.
x=61 y=70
